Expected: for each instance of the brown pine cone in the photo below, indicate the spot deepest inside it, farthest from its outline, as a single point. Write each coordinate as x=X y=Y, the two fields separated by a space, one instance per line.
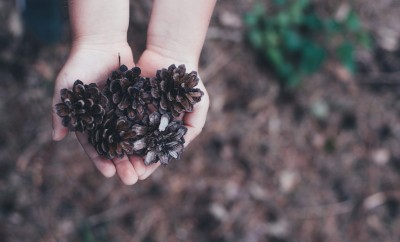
x=163 y=139
x=174 y=89
x=115 y=136
x=128 y=93
x=82 y=108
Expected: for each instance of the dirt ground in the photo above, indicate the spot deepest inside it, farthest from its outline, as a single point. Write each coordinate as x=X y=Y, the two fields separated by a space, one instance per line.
x=321 y=163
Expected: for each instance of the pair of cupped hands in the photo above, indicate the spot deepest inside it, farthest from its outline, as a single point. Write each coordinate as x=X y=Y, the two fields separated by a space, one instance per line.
x=93 y=62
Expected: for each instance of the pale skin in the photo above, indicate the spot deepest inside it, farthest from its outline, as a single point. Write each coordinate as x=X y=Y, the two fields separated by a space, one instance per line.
x=175 y=35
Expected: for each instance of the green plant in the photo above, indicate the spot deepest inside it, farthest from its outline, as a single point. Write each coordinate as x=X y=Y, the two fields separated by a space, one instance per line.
x=295 y=40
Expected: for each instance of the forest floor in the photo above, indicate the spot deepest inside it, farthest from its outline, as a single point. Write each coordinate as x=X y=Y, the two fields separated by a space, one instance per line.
x=268 y=166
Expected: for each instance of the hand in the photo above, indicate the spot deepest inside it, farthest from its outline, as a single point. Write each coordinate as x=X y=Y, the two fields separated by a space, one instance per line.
x=149 y=63
x=93 y=63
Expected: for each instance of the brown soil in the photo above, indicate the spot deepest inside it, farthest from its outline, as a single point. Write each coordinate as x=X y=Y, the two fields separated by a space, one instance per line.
x=321 y=163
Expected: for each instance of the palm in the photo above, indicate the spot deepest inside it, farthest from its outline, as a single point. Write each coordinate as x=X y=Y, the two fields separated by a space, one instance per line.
x=90 y=65
x=150 y=62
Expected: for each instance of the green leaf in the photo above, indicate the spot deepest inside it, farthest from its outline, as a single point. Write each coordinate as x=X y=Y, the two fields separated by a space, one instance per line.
x=275 y=57
x=313 y=22
x=299 y=5
x=313 y=55
x=285 y=70
x=280 y=2
x=251 y=20
x=86 y=233
x=302 y=4
x=345 y=54
x=294 y=80
x=365 y=40
x=296 y=11
x=268 y=23
x=255 y=38
x=271 y=39
x=352 y=21
x=253 y=17
x=289 y=75
x=283 y=19
x=332 y=26
x=293 y=40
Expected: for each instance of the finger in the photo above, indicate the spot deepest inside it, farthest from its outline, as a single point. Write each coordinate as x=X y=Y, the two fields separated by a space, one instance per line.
x=149 y=170
x=125 y=170
x=105 y=166
x=138 y=165
x=195 y=120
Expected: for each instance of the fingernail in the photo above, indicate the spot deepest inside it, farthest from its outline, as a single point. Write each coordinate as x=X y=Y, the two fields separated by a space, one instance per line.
x=53 y=134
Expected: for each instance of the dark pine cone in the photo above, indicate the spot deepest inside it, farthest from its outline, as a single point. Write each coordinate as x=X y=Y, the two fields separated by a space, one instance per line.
x=115 y=136
x=163 y=140
x=82 y=108
x=128 y=93
x=174 y=88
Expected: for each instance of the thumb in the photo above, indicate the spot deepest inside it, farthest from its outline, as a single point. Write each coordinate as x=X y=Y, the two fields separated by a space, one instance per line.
x=59 y=131
x=195 y=120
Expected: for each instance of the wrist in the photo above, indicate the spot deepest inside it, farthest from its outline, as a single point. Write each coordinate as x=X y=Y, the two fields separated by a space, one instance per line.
x=99 y=21
x=101 y=40
x=100 y=47
x=176 y=33
x=102 y=54
x=154 y=60
x=168 y=56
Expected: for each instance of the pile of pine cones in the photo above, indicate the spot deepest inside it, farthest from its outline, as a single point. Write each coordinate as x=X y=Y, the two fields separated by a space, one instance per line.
x=131 y=114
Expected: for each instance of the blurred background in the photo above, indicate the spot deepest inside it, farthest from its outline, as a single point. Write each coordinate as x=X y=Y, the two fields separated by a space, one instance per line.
x=301 y=141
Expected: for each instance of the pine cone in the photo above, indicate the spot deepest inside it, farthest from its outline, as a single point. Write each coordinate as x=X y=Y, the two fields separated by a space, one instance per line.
x=163 y=140
x=82 y=108
x=128 y=93
x=174 y=88
x=115 y=136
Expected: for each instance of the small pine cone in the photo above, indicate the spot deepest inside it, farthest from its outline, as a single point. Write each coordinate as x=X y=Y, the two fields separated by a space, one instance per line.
x=82 y=108
x=163 y=140
x=115 y=136
x=174 y=88
x=128 y=93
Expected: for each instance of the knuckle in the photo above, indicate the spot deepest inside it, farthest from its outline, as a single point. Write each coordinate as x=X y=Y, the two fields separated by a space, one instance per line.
x=118 y=161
